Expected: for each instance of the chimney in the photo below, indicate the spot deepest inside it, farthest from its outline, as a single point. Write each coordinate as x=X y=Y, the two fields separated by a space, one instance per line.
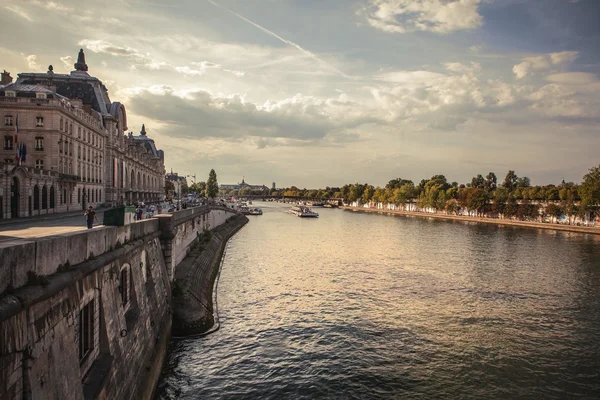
x=6 y=78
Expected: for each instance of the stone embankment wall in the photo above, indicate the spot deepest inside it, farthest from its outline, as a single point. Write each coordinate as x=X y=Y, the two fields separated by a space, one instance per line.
x=195 y=277
x=88 y=315
x=181 y=230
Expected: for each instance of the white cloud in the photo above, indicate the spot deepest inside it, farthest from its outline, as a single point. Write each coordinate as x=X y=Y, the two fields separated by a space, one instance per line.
x=440 y=16
x=67 y=61
x=31 y=61
x=573 y=78
x=200 y=68
x=462 y=68
x=542 y=62
x=19 y=11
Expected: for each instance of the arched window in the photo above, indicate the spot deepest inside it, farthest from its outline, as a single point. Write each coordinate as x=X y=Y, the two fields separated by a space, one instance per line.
x=61 y=124
x=64 y=196
x=36 y=197
x=70 y=129
x=79 y=132
x=79 y=195
x=52 y=196
x=44 y=197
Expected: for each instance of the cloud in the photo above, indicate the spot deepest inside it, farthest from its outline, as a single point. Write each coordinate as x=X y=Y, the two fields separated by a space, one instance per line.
x=100 y=46
x=573 y=78
x=462 y=68
x=67 y=61
x=200 y=68
x=439 y=16
x=31 y=61
x=19 y=11
x=200 y=114
x=281 y=39
x=542 y=62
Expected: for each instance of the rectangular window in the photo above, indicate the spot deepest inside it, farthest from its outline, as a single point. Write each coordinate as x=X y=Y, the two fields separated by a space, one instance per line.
x=40 y=95
x=39 y=143
x=39 y=164
x=10 y=94
x=8 y=120
x=8 y=142
x=39 y=121
x=86 y=331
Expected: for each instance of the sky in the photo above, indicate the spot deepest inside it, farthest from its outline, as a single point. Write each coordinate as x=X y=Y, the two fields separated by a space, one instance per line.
x=317 y=93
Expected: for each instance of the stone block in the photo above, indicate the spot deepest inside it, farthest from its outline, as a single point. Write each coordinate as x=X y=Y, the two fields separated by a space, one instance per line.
x=16 y=258
x=99 y=240
x=143 y=228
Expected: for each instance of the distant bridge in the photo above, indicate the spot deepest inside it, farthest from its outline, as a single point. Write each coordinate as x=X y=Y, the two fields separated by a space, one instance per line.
x=332 y=200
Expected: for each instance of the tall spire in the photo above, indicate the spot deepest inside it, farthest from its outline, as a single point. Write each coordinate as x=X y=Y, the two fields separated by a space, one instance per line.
x=143 y=131
x=80 y=65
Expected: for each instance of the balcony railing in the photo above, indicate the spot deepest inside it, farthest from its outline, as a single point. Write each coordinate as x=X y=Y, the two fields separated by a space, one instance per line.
x=68 y=177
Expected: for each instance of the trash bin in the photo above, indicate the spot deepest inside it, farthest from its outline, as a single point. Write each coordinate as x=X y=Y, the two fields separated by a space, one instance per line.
x=119 y=216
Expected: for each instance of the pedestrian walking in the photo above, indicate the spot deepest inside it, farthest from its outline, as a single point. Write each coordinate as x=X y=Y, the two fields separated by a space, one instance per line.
x=90 y=216
x=140 y=213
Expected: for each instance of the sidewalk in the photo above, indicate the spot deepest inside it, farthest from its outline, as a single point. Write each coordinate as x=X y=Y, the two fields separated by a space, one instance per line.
x=45 y=217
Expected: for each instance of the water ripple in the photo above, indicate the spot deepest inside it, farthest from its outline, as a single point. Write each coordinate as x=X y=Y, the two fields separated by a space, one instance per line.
x=356 y=306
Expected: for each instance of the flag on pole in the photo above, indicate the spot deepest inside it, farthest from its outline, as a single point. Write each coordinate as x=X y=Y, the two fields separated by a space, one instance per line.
x=18 y=155
x=23 y=154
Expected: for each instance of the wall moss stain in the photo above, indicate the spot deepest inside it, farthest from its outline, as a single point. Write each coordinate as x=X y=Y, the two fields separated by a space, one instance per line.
x=40 y=326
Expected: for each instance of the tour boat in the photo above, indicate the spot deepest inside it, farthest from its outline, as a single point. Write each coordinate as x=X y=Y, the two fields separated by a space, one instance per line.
x=250 y=211
x=304 y=212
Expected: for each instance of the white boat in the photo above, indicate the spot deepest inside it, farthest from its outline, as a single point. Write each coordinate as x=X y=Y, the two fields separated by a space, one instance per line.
x=303 y=212
x=250 y=211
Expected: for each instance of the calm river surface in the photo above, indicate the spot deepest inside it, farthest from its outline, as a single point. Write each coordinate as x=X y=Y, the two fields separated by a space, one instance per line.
x=367 y=306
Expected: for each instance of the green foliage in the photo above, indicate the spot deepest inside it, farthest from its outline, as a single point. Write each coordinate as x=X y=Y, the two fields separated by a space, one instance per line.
x=452 y=206
x=510 y=181
x=212 y=187
x=590 y=188
x=477 y=199
x=198 y=187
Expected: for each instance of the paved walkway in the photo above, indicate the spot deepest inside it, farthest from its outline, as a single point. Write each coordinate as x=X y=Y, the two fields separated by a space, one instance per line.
x=46 y=225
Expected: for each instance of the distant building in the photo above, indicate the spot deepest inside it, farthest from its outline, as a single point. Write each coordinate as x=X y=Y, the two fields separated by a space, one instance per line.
x=244 y=185
x=273 y=187
x=179 y=182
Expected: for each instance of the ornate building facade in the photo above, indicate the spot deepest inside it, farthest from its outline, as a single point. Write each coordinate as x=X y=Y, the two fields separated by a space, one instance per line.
x=65 y=147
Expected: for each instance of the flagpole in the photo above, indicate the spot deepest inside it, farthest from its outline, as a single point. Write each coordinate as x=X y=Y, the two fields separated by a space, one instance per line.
x=18 y=156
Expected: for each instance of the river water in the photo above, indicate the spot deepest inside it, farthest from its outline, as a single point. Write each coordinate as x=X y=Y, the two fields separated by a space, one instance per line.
x=370 y=306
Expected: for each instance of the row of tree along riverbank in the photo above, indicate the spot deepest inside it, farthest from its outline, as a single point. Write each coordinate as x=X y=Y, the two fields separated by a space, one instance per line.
x=514 y=199
x=496 y=221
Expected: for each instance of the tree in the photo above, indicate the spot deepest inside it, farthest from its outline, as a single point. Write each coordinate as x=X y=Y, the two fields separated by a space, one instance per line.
x=169 y=187
x=490 y=182
x=212 y=187
x=554 y=210
x=452 y=206
x=368 y=193
x=198 y=187
x=589 y=191
x=478 y=182
x=523 y=182
x=510 y=181
x=477 y=199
